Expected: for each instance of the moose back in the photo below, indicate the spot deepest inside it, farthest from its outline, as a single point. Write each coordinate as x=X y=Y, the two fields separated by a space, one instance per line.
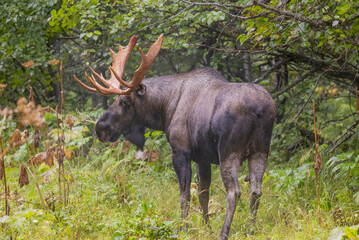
x=206 y=119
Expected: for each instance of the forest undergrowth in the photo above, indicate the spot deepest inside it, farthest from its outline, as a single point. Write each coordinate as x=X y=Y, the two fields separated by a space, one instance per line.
x=59 y=181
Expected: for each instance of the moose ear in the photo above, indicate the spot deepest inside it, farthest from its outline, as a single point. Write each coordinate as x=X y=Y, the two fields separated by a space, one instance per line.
x=141 y=90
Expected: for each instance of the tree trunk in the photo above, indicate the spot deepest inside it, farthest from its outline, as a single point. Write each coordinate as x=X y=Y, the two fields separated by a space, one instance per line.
x=281 y=79
x=53 y=73
x=247 y=68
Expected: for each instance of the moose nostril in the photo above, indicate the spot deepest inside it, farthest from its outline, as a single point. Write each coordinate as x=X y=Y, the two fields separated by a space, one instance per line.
x=104 y=131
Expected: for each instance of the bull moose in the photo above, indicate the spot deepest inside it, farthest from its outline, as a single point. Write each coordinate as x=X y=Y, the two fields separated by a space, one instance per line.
x=206 y=119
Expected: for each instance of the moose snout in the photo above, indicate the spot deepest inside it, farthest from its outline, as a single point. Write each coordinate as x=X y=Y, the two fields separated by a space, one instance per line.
x=103 y=131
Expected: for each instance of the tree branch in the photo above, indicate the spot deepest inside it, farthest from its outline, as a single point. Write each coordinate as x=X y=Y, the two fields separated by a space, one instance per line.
x=269 y=71
x=227 y=50
x=319 y=64
x=345 y=136
x=217 y=4
x=296 y=82
x=310 y=95
x=289 y=14
x=338 y=120
x=221 y=7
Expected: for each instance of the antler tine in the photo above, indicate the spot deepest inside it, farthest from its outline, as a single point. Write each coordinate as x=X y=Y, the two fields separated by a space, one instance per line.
x=118 y=77
x=93 y=82
x=84 y=85
x=119 y=62
x=146 y=63
x=102 y=79
x=103 y=90
x=118 y=68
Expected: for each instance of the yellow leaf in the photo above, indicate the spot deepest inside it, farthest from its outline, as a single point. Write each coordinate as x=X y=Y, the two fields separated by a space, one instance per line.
x=68 y=154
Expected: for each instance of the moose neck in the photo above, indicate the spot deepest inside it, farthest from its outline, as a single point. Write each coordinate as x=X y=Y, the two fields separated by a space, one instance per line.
x=152 y=107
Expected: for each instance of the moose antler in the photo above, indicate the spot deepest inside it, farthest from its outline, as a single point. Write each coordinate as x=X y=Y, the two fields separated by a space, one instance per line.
x=118 y=67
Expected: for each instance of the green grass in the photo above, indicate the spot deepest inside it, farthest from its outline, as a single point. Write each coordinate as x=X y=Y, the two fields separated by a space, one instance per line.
x=123 y=198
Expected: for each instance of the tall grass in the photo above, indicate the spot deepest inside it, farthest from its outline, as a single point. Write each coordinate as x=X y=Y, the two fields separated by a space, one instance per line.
x=113 y=195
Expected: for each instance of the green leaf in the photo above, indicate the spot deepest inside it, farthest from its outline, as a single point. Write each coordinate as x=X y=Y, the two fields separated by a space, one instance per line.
x=53 y=12
x=356 y=198
x=28 y=213
x=117 y=236
x=335 y=22
x=351 y=233
x=326 y=18
x=321 y=43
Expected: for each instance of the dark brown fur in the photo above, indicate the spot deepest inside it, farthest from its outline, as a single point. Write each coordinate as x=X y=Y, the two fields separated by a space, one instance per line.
x=206 y=120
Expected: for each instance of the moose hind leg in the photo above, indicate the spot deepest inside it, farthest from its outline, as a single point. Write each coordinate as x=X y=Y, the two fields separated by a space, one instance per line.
x=204 y=182
x=229 y=172
x=257 y=165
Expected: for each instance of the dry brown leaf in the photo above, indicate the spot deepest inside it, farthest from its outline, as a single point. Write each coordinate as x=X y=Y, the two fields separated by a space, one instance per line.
x=126 y=147
x=16 y=140
x=43 y=157
x=70 y=121
x=8 y=112
x=24 y=178
x=50 y=153
x=49 y=161
x=38 y=159
x=53 y=62
x=68 y=153
x=151 y=156
x=28 y=64
x=46 y=109
x=155 y=155
x=29 y=114
x=16 y=136
x=26 y=133
x=2 y=86
x=60 y=154
x=318 y=162
x=115 y=144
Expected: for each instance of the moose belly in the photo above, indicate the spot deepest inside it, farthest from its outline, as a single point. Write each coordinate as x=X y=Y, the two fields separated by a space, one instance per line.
x=203 y=142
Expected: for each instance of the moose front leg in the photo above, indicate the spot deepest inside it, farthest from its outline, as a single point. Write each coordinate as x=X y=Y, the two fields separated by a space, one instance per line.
x=182 y=166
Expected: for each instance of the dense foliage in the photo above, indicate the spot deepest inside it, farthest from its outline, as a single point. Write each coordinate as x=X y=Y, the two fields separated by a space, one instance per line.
x=298 y=50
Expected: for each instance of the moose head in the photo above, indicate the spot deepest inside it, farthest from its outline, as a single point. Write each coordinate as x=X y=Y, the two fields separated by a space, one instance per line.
x=119 y=117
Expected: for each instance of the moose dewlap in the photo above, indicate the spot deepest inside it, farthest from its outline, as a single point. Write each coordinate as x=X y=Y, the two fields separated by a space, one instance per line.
x=206 y=120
